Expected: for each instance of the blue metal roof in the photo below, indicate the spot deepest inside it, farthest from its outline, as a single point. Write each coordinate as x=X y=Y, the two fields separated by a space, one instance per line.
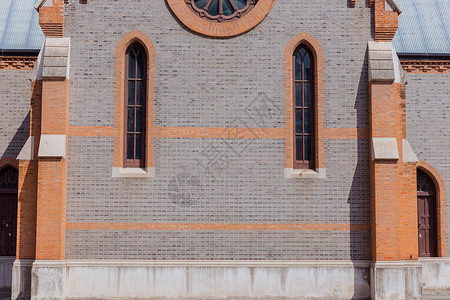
x=423 y=27
x=19 y=25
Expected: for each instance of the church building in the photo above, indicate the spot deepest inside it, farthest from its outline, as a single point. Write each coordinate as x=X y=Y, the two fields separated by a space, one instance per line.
x=225 y=149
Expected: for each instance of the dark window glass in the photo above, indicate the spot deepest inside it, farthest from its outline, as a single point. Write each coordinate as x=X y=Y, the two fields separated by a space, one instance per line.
x=140 y=91
x=307 y=123
x=135 y=105
x=298 y=94
x=307 y=67
x=131 y=89
x=132 y=65
x=298 y=121
x=130 y=146
x=299 y=148
x=304 y=108
x=307 y=96
x=130 y=120
x=138 y=146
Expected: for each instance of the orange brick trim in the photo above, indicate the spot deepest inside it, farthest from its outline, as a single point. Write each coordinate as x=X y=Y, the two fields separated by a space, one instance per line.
x=9 y=161
x=217 y=226
x=346 y=133
x=219 y=132
x=426 y=67
x=125 y=42
x=386 y=22
x=228 y=133
x=52 y=29
x=441 y=213
x=17 y=62
x=92 y=131
x=229 y=29
x=316 y=49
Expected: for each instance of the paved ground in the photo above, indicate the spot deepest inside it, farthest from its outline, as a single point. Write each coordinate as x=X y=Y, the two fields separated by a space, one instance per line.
x=5 y=294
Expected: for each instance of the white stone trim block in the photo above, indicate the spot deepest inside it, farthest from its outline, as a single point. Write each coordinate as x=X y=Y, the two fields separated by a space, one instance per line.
x=27 y=152
x=318 y=173
x=119 y=172
x=52 y=145
x=408 y=152
x=384 y=148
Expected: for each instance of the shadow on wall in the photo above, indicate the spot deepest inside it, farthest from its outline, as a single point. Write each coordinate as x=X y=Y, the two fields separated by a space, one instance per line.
x=19 y=139
x=359 y=196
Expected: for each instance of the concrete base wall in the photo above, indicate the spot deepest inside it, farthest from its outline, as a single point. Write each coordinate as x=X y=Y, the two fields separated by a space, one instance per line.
x=21 y=279
x=200 y=280
x=436 y=275
x=6 y=263
x=396 y=280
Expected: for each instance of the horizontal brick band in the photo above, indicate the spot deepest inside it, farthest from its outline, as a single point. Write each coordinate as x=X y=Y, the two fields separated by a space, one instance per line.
x=220 y=132
x=346 y=133
x=91 y=131
x=217 y=226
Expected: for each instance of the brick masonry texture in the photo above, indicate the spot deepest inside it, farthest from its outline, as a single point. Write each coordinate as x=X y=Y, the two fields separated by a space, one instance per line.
x=428 y=124
x=14 y=111
x=206 y=82
x=212 y=245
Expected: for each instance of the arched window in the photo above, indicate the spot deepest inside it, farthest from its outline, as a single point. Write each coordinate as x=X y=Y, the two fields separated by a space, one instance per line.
x=8 y=211
x=426 y=214
x=135 y=98
x=303 y=108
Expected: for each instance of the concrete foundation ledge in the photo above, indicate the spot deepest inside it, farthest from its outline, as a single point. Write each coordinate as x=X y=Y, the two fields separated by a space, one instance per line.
x=48 y=279
x=21 y=279
x=124 y=279
x=436 y=276
x=396 y=280
x=6 y=263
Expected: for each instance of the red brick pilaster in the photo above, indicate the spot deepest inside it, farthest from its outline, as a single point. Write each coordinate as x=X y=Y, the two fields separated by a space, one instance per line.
x=393 y=182
x=51 y=195
x=28 y=181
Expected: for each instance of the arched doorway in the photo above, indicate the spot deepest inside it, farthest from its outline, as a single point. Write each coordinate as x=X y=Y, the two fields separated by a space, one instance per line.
x=8 y=210
x=426 y=214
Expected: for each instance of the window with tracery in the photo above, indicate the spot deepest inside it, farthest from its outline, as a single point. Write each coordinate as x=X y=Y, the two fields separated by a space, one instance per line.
x=135 y=98
x=303 y=107
x=8 y=178
x=221 y=10
x=425 y=185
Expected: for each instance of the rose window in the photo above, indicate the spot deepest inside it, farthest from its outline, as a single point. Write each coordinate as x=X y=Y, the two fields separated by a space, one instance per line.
x=221 y=10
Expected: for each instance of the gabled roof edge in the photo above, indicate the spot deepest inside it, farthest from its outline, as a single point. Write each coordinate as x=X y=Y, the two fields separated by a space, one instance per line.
x=395 y=6
x=39 y=4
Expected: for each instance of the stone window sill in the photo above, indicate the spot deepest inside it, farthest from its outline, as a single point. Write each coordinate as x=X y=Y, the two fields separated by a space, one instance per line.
x=118 y=172
x=318 y=173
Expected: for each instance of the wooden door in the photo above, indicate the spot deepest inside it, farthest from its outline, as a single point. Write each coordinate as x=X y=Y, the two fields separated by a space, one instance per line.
x=8 y=211
x=426 y=214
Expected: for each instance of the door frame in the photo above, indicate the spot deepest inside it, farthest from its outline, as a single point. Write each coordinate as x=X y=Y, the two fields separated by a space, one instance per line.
x=441 y=222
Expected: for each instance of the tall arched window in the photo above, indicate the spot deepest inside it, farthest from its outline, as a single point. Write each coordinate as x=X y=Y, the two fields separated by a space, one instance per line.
x=303 y=108
x=135 y=98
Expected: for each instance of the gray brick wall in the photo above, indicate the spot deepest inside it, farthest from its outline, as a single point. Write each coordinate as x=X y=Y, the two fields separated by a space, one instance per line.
x=205 y=82
x=15 y=94
x=428 y=123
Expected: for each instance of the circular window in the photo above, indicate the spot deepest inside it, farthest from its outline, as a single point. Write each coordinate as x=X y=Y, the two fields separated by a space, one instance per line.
x=220 y=18
x=221 y=10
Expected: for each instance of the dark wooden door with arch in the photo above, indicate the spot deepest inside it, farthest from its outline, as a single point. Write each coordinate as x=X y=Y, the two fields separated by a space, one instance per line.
x=8 y=211
x=426 y=214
